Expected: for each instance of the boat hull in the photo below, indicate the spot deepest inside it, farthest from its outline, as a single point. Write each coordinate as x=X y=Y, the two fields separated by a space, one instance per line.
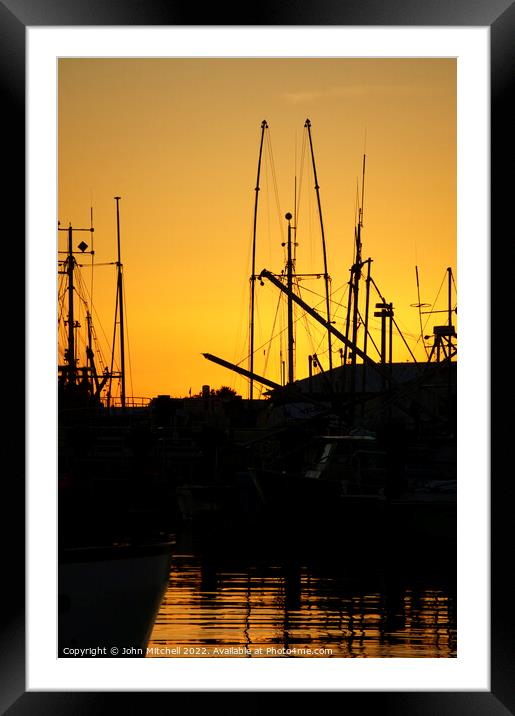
x=109 y=598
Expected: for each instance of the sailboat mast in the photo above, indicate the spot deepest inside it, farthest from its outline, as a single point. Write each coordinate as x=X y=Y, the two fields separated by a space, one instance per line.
x=449 y=307
x=120 y=302
x=356 y=277
x=289 y=278
x=71 y=319
x=264 y=125
x=326 y=275
x=365 y=337
x=89 y=350
x=69 y=356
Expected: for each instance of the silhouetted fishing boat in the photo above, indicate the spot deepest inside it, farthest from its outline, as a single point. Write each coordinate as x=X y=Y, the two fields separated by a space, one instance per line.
x=115 y=501
x=408 y=410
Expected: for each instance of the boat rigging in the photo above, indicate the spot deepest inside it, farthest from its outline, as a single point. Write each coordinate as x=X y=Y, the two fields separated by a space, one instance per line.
x=289 y=273
x=79 y=380
x=339 y=387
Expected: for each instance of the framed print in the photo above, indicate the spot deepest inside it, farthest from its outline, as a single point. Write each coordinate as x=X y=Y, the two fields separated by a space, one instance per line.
x=75 y=66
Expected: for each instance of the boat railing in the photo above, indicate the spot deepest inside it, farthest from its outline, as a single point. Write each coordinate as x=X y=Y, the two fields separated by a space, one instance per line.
x=130 y=402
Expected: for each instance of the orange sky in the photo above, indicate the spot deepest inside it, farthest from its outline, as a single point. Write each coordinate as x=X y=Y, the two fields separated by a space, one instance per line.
x=178 y=140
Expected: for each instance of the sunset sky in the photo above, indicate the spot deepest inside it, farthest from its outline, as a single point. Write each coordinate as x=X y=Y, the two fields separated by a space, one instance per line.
x=178 y=141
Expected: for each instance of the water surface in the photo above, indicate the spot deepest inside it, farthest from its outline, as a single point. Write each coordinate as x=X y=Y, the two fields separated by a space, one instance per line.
x=329 y=604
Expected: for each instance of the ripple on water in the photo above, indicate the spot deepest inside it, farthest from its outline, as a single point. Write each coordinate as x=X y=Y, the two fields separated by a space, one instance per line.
x=299 y=611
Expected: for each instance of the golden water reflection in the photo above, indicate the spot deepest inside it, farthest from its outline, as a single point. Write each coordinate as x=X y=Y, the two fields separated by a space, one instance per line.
x=295 y=611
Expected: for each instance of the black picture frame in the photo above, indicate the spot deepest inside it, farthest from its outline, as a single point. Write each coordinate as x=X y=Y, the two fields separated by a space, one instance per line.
x=499 y=16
